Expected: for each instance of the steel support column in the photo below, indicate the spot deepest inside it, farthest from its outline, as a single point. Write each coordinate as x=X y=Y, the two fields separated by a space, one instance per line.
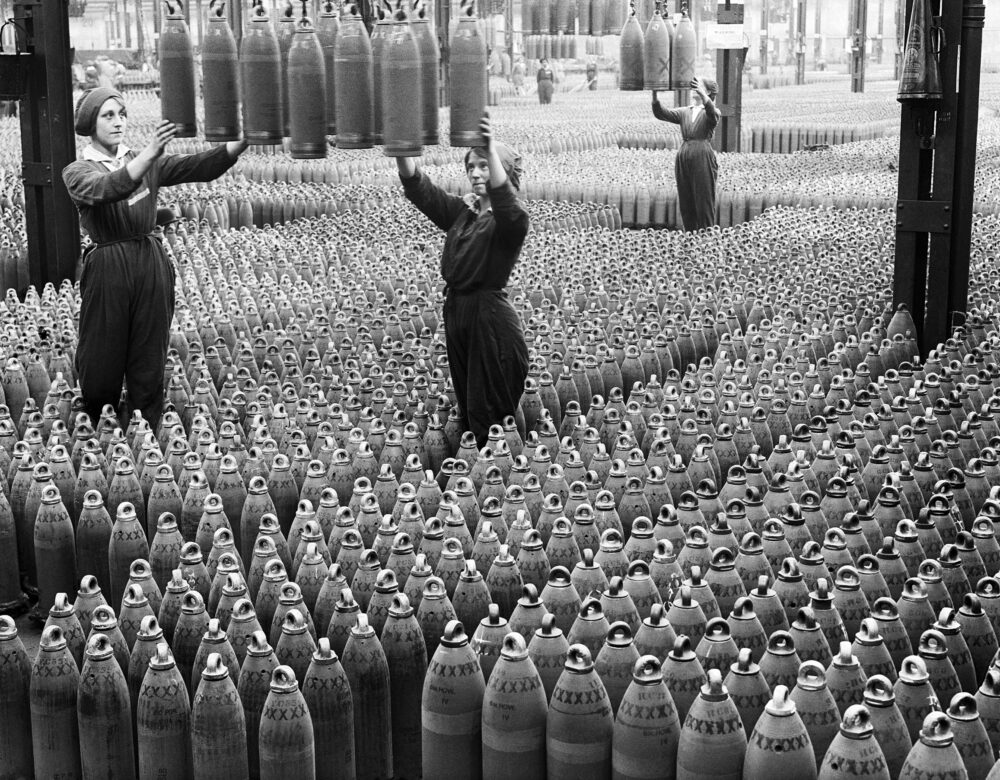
x=937 y=157
x=442 y=21
x=936 y=319
x=140 y=33
x=900 y=38
x=859 y=32
x=818 y=42
x=879 y=45
x=729 y=74
x=966 y=123
x=763 y=37
x=508 y=30
x=800 y=43
x=47 y=143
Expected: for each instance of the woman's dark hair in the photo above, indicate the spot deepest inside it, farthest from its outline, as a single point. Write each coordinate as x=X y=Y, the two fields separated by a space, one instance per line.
x=480 y=151
x=510 y=160
x=89 y=105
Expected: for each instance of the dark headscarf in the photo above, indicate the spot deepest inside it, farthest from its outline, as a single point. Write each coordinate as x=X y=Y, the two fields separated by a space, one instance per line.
x=89 y=106
x=510 y=158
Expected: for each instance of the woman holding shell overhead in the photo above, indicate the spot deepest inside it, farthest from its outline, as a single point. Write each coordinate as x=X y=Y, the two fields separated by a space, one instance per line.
x=127 y=282
x=487 y=353
x=696 y=166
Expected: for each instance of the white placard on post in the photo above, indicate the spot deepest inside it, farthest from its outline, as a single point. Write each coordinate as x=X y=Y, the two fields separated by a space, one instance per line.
x=725 y=36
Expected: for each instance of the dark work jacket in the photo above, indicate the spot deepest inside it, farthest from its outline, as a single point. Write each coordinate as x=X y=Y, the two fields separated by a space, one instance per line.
x=480 y=250
x=695 y=125
x=113 y=207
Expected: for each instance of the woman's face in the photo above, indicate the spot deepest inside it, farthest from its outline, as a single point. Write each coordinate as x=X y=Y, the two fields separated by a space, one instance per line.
x=478 y=170
x=544 y=63
x=110 y=126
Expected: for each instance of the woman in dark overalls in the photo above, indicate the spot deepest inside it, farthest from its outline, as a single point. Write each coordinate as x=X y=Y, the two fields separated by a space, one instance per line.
x=545 y=78
x=127 y=283
x=487 y=354
x=696 y=167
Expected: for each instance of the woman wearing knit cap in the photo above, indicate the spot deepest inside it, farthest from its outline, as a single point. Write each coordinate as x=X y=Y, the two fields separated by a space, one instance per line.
x=696 y=166
x=487 y=354
x=127 y=282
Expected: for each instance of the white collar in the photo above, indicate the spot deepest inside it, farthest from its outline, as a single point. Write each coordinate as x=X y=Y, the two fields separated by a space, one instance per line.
x=472 y=201
x=90 y=152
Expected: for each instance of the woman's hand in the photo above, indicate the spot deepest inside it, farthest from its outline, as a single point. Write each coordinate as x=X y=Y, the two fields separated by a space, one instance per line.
x=235 y=148
x=498 y=176
x=165 y=133
x=486 y=131
x=142 y=162
x=699 y=86
x=407 y=167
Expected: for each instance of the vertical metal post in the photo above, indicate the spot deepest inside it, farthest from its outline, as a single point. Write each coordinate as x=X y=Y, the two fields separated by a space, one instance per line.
x=140 y=34
x=967 y=120
x=859 y=28
x=938 y=155
x=508 y=29
x=682 y=97
x=442 y=19
x=936 y=320
x=791 y=38
x=818 y=29
x=763 y=37
x=47 y=143
x=879 y=45
x=916 y=158
x=901 y=22
x=729 y=74
x=800 y=44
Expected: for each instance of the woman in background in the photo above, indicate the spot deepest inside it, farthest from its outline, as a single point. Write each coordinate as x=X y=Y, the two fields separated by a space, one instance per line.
x=546 y=82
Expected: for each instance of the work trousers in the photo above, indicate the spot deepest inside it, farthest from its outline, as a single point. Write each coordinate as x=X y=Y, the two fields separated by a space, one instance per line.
x=127 y=304
x=487 y=357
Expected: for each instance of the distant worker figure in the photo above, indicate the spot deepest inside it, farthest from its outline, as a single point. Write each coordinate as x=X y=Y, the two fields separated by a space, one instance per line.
x=592 y=75
x=696 y=167
x=107 y=72
x=546 y=82
x=517 y=76
x=90 y=77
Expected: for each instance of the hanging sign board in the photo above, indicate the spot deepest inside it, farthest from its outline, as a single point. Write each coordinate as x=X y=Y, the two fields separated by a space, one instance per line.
x=730 y=13
x=725 y=36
